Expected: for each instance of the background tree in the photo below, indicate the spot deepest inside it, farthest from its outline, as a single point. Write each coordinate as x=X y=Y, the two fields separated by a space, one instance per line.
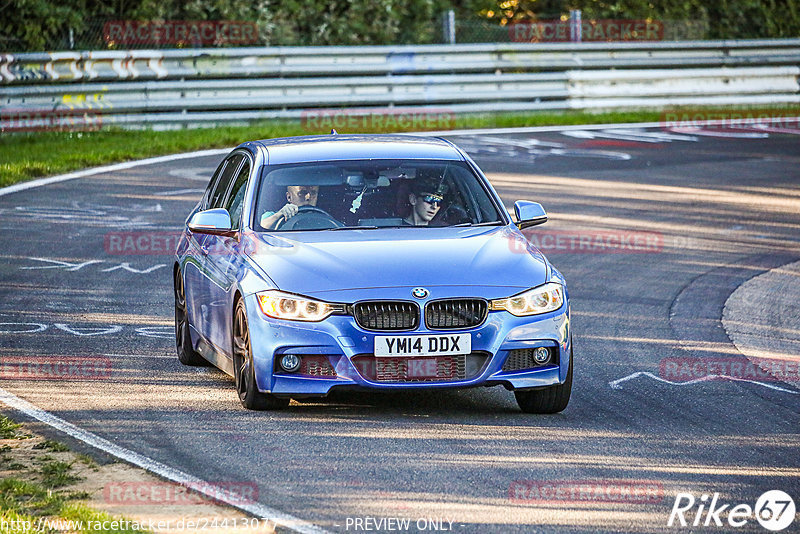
x=36 y=25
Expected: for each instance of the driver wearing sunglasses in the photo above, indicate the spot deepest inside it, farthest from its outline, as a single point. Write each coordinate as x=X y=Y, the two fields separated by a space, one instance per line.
x=426 y=199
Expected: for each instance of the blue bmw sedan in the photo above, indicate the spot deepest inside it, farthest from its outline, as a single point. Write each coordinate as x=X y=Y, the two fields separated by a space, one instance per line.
x=379 y=262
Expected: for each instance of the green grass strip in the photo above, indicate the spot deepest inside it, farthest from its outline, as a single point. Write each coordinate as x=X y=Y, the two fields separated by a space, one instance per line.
x=28 y=507
x=8 y=428
x=25 y=156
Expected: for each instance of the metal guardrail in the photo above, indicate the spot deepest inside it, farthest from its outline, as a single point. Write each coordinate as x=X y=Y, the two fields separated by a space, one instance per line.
x=174 y=88
x=385 y=60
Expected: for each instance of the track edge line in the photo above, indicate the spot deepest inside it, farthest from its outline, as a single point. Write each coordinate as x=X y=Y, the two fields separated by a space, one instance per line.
x=148 y=464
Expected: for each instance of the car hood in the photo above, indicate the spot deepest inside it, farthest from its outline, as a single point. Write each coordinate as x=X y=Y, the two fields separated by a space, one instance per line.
x=316 y=263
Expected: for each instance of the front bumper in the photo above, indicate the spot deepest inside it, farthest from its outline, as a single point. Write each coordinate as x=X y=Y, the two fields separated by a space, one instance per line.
x=340 y=340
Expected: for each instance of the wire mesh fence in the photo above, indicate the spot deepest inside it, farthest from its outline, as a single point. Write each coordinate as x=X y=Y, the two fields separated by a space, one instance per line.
x=114 y=34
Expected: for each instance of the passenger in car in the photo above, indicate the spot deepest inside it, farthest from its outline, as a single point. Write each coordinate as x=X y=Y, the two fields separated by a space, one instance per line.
x=296 y=196
x=426 y=199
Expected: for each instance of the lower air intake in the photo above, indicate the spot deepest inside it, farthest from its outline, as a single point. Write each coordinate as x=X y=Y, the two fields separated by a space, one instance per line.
x=422 y=369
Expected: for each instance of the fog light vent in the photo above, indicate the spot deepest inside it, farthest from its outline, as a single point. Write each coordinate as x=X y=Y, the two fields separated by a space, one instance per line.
x=520 y=359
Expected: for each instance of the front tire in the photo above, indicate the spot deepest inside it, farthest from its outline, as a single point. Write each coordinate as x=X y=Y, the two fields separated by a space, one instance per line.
x=550 y=399
x=243 y=369
x=183 y=340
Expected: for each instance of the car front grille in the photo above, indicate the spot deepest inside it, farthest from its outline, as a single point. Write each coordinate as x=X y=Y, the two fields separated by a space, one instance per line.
x=405 y=370
x=386 y=316
x=455 y=313
x=520 y=359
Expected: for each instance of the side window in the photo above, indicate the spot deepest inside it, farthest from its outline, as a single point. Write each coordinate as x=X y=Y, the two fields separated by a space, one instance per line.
x=211 y=183
x=235 y=201
x=221 y=187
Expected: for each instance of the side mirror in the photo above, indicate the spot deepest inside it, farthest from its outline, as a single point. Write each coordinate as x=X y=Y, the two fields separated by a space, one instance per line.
x=216 y=221
x=529 y=214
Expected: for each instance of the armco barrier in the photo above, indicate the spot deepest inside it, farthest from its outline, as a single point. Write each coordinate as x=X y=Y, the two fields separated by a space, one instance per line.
x=175 y=88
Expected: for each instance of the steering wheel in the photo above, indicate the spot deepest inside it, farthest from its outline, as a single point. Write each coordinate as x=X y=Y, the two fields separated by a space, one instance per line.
x=455 y=214
x=310 y=218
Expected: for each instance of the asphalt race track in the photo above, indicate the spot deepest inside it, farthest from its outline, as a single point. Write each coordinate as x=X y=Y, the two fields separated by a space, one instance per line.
x=668 y=226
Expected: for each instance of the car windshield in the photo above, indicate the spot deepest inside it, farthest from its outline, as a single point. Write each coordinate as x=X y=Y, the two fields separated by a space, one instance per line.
x=371 y=193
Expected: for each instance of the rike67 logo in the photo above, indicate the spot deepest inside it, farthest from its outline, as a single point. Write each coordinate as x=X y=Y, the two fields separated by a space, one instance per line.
x=774 y=510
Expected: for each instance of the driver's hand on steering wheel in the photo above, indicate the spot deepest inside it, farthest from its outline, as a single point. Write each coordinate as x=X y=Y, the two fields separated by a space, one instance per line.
x=288 y=211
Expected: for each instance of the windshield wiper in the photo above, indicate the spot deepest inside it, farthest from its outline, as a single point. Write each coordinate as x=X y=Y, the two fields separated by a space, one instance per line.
x=353 y=228
x=487 y=223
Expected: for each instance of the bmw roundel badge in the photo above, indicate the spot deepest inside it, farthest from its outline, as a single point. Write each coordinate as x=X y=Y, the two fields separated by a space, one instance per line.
x=419 y=292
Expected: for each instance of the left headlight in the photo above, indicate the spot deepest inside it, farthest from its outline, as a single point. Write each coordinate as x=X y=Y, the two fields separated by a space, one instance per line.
x=279 y=305
x=542 y=299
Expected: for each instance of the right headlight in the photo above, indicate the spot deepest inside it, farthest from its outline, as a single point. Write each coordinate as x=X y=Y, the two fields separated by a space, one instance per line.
x=542 y=299
x=291 y=307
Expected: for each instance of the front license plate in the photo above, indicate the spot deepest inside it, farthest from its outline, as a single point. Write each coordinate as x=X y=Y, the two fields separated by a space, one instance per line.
x=428 y=345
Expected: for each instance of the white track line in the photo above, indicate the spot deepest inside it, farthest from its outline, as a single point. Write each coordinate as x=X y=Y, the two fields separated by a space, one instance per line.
x=536 y=129
x=664 y=125
x=615 y=384
x=722 y=135
x=209 y=489
x=108 y=168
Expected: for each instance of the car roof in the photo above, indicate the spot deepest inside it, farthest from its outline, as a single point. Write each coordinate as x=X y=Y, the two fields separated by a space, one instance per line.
x=362 y=146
